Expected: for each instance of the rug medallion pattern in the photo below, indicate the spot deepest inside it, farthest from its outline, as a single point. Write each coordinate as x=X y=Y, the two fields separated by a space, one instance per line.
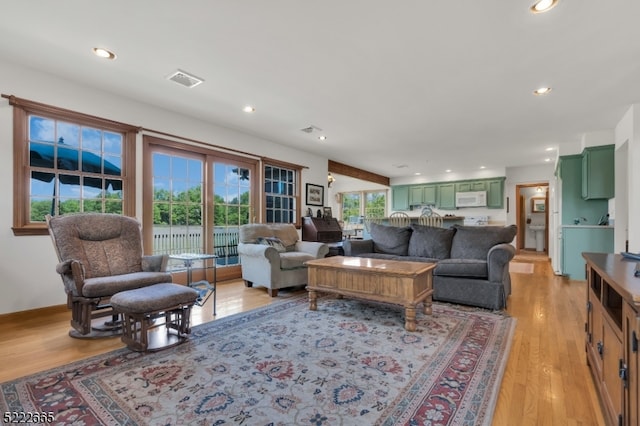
x=349 y=362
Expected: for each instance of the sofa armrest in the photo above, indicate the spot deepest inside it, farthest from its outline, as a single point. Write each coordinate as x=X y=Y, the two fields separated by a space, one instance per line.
x=356 y=247
x=498 y=261
x=155 y=263
x=259 y=251
x=315 y=249
x=73 y=275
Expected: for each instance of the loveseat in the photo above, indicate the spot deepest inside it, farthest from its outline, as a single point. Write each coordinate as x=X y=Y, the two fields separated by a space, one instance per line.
x=472 y=261
x=272 y=255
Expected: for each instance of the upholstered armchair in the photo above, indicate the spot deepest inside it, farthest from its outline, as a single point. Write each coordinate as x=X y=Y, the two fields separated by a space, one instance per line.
x=272 y=256
x=101 y=255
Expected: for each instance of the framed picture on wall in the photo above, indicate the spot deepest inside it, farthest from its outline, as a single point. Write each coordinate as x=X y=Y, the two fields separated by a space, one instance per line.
x=315 y=195
x=538 y=205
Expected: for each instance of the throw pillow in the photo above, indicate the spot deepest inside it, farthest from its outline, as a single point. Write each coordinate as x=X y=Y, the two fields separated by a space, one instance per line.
x=431 y=242
x=274 y=242
x=390 y=239
x=474 y=242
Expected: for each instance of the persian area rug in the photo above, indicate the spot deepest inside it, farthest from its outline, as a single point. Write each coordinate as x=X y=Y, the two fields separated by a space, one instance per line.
x=348 y=363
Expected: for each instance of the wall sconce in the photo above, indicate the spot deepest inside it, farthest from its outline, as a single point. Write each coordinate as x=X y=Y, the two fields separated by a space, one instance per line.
x=539 y=189
x=330 y=179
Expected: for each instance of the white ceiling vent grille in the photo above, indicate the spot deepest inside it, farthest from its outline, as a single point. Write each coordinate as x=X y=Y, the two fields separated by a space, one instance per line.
x=311 y=129
x=185 y=79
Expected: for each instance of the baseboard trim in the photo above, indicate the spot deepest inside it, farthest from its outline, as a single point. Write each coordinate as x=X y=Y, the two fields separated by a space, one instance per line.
x=47 y=310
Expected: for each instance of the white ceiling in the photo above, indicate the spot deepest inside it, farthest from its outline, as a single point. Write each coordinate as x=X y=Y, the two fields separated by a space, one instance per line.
x=423 y=83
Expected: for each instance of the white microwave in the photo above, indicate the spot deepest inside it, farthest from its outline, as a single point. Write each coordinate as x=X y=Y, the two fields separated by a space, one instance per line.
x=471 y=199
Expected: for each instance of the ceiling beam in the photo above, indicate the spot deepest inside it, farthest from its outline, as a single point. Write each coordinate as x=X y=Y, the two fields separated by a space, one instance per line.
x=354 y=172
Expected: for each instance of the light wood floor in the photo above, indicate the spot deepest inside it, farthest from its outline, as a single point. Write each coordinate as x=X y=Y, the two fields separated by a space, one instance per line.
x=546 y=381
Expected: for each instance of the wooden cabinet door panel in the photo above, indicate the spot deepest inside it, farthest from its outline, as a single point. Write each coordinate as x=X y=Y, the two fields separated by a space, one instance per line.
x=611 y=383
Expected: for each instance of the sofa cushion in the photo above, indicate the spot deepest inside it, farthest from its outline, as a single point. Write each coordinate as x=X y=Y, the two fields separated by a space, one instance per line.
x=432 y=242
x=390 y=239
x=474 y=242
x=461 y=268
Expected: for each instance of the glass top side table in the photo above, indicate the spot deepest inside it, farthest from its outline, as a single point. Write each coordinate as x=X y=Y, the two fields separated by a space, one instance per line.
x=204 y=287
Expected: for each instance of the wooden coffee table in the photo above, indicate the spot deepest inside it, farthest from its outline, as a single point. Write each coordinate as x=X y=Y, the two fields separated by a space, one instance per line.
x=403 y=283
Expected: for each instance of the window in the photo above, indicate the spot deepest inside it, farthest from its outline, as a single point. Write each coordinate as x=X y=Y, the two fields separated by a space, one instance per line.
x=177 y=204
x=375 y=203
x=351 y=206
x=200 y=197
x=282 y=194
x=363 y=204
x=232 y=207
x=68 y=162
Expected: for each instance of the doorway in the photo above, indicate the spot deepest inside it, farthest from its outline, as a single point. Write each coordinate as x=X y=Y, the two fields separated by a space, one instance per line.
x=532 y=217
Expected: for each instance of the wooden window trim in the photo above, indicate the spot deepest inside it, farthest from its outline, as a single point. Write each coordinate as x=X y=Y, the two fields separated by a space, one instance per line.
x=283 y=164
x=21 y=169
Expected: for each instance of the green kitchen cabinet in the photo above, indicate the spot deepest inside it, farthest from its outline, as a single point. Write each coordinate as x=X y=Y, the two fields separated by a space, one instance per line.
x=578 y=239
x=574 y=207
x=447 y=196
x=430 y=195
x=495 y=193
x=598 y=176
x=400 y=197
x=467 y=186
x=416 y=195
x=423 y=195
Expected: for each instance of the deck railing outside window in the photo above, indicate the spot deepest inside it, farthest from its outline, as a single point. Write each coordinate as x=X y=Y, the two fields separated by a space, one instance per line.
x=172 y=240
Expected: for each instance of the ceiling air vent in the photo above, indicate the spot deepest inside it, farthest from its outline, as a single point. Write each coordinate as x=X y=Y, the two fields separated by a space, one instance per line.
x=185 y=79
x=311 y=129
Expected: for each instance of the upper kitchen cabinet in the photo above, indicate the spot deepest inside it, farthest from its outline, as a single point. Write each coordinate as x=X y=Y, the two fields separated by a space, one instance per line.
x=470 y=186
x=574 y=206
x=447 y=193
x=400 y=197
x=598 y=178
x=423 y=195
x=495 y=193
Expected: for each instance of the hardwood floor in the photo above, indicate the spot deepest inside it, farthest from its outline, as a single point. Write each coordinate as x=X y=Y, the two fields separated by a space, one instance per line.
x=546 y=381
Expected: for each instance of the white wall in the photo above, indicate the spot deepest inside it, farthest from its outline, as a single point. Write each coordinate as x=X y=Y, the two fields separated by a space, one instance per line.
x=536 y=174
x=27 y=264
x=627 y=201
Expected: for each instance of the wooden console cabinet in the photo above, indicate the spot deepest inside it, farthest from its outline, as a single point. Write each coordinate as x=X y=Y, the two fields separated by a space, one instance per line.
x=612 y=332
x=324 y=230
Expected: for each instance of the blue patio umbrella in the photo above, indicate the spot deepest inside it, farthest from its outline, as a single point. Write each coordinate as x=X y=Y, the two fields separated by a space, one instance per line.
x=71 y=159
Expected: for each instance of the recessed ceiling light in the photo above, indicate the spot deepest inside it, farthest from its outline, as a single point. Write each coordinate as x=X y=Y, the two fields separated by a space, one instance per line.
x=483 y=167
x=249 y=108
x=103 y=53
x=547 y=159
x=417 y=173
x=542 y=91
x=322 y=138
x=550 y=149
x=448 y=170
x=543 y=6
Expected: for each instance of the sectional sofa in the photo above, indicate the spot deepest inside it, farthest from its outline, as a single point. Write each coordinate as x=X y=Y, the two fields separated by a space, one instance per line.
x=472 y=261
